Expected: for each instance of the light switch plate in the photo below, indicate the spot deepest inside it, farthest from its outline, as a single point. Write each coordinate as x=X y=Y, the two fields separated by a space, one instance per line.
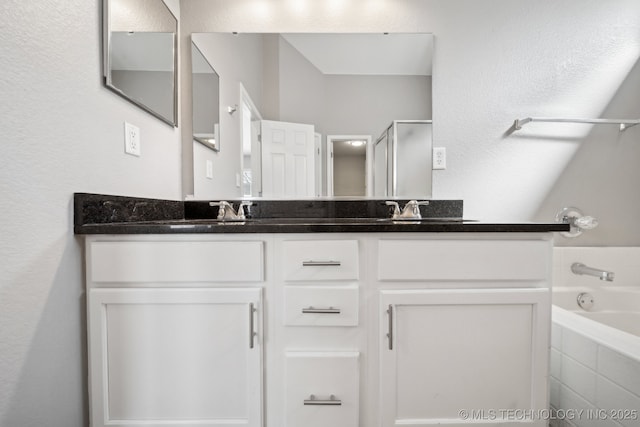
x=209 y=169
x=131 y=139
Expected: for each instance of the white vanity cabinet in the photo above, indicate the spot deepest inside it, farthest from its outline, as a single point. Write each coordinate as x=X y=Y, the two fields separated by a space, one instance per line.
x=464 y=331
x=175 y=332
x=318 y=329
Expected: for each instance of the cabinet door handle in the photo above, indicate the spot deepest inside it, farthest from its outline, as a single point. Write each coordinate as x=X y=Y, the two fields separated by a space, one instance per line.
x=252 y=332
x=329 y=310
x=312 y=263
x=332 y=401
x=390 y=332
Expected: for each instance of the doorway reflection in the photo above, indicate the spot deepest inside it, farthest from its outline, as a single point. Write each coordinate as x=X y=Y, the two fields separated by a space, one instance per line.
x=348 y=165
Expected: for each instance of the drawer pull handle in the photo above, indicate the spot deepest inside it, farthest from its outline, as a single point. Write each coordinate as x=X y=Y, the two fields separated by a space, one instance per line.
x=321 y=263
x=332 y=401
x=314 y=310
x=252 y=332
x=390 y=331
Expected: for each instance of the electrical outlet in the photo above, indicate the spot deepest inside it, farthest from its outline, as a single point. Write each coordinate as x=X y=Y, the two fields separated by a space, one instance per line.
x=209 y=171
x=131 y=139
x=439 y=158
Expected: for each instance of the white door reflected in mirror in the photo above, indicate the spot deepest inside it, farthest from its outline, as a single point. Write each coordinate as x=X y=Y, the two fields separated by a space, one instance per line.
x=287 y=159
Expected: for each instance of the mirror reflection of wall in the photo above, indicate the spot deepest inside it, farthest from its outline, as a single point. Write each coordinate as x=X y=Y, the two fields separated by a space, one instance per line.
x=286 y=83
x=205 y=110
x=140 y=55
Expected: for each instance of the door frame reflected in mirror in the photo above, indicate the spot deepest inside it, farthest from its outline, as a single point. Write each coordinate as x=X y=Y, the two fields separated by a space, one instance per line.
x=250 y=117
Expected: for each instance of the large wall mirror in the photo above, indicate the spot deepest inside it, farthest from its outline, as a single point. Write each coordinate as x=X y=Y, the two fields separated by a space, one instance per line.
x=140 y=59
x=309 y=109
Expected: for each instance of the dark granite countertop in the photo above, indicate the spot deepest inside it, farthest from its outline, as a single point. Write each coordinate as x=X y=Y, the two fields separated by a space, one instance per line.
x=104 y=214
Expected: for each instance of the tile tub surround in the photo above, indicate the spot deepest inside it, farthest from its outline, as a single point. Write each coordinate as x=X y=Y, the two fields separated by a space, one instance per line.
x=589 y=376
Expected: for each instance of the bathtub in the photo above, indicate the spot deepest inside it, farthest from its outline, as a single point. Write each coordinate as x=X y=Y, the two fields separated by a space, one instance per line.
x=595 y=353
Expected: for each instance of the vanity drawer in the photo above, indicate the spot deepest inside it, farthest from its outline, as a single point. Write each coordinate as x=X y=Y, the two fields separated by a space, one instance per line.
x=463 y=260
x=321 y=305
x=320 y=260
x=311 y=379
x=141 y=261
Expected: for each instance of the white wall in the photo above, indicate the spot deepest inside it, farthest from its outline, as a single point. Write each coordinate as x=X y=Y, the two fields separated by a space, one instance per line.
x=495 y=60
x=302 y=93
x=603 y=176
x=349 y=174
x=383 y=98
x=62 y=133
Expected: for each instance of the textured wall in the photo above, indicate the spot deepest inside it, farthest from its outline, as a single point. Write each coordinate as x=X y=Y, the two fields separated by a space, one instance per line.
x=495 y=60
x=62 y=132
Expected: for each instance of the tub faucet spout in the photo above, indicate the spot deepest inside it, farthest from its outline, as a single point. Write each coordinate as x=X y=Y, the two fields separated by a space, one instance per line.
x=579 y=268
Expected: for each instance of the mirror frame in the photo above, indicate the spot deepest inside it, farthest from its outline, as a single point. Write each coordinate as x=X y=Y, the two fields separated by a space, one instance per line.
x=106 y=61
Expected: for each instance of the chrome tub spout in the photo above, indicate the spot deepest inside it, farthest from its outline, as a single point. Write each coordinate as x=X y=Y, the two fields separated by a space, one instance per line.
x=579 y=268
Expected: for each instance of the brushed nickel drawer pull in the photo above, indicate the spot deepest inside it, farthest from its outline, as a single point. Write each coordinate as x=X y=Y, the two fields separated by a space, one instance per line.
x=329 y=310
x=252 y=332
x=312 y=263
x=332 y=401
x=390 y=332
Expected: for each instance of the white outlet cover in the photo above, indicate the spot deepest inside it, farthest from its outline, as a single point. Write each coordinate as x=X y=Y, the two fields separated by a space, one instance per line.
x=131 y=139
x=439 y=158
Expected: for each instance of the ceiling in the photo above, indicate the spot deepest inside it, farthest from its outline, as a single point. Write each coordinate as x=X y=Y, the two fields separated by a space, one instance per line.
x=366 y=54
x=344 y=148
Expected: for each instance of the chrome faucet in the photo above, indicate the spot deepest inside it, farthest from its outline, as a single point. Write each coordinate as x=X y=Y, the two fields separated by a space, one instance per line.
x=579 y=268
x=226 y=211
x=410 y=211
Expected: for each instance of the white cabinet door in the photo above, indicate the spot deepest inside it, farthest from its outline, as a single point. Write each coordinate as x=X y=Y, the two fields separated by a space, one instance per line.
x=447 y=351
x=176 y=357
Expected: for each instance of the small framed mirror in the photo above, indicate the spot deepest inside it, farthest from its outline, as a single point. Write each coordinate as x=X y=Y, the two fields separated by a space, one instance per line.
x=140 y=55
x=206 y=100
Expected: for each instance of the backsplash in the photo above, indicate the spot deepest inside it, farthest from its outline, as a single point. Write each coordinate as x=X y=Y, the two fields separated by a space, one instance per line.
x=104 y=209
